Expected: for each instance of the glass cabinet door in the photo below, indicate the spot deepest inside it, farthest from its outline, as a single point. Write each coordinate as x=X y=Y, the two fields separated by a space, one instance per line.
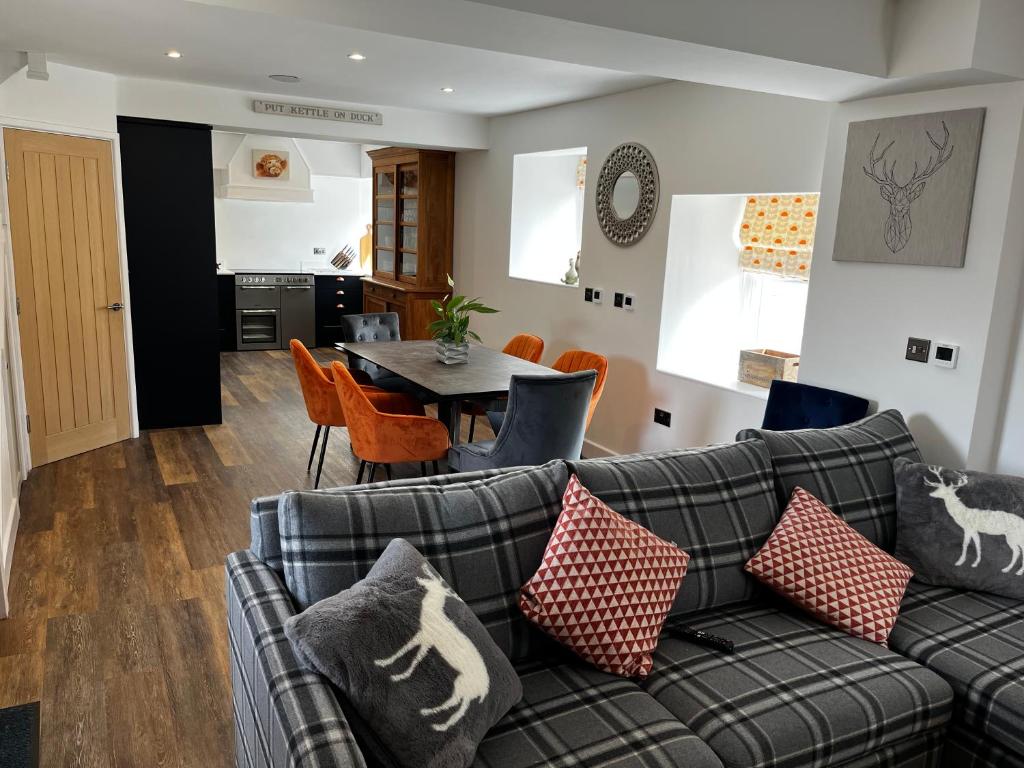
x=408 y=219
x=385 y=200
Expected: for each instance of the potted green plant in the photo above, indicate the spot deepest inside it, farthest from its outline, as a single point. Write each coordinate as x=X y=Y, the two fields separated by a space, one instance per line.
x=451 y=329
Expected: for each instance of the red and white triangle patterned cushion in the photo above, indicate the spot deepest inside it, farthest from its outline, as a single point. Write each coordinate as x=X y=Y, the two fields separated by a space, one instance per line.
x=604 y=586
x=817 y=561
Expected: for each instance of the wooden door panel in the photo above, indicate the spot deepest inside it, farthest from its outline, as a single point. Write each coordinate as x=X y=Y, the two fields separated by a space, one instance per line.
x=373 y=304
x=67 y=269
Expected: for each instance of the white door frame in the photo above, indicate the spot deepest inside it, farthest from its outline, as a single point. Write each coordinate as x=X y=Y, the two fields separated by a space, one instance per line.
x=10 y=297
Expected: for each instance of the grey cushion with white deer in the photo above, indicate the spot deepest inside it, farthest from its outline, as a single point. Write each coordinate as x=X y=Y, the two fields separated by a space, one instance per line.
x=417 y=666
x=961 y=529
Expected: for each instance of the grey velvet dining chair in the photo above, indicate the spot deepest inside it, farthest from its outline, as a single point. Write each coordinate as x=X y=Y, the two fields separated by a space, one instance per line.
x=546 y=419
x=367 y=328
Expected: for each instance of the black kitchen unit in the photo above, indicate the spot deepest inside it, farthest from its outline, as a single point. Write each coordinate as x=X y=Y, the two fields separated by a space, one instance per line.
x=167 y=183
x=273 y=309
x=336 y=295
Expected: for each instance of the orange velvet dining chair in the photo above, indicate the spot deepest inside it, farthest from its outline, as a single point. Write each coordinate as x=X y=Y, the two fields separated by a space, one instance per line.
x=323 y=406
x=387 y=438
x=525 y=346
x=574 y=360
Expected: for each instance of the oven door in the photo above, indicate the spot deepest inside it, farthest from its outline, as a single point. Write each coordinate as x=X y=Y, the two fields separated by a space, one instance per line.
x=259 y=328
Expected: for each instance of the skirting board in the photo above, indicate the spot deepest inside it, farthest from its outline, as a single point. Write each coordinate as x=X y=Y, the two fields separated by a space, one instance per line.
x=7 y=556
x=592 y=450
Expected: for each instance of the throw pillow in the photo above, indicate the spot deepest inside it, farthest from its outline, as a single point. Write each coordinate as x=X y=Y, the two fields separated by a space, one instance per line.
x=604 y=586
x=413 y=660
x=817 y=561
x=961 y=529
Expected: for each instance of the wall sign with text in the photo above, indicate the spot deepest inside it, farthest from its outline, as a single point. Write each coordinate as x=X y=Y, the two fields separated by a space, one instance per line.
x=317 y=112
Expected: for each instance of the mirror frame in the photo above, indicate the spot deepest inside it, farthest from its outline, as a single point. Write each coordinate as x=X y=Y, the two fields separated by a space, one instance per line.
x=634 y=157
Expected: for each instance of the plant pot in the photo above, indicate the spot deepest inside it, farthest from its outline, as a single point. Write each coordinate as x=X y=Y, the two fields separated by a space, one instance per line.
x=450 y=354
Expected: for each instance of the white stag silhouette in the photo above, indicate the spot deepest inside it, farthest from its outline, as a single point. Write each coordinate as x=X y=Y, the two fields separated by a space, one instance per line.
x=900 y=196
x=438 y=632
x=977 y=521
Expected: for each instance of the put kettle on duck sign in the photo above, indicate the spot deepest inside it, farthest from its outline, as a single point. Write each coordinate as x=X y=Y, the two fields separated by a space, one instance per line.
x=908 y=188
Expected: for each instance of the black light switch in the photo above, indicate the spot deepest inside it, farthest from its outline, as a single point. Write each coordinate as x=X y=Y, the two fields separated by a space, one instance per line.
x=918 y=350
x=619 y=297
x=588 y=294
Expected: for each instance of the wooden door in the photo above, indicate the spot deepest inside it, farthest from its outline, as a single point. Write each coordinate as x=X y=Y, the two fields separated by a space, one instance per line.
x=68 y=282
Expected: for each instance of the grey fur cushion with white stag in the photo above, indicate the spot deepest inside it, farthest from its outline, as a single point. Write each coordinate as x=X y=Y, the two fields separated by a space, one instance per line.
x=413 y=660
x=961 y=529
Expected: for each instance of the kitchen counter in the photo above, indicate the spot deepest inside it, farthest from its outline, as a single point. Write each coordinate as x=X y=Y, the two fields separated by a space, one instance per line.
x=315 y=271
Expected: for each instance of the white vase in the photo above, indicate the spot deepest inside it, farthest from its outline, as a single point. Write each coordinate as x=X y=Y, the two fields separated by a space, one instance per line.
x=451 y=354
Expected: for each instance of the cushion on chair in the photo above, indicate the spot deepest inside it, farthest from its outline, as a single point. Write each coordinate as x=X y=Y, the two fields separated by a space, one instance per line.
x=574 y=716
x=794 y=692
x=474 y=450
x=800 y=406
x=850 y=469
x=975 y=641
x=717 y=504
x=485 y=537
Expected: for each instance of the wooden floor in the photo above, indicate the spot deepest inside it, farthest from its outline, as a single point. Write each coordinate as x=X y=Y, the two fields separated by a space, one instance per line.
x=117 y=622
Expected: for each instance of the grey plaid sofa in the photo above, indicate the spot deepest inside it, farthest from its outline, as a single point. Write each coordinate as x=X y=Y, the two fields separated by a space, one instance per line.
x=793 y=693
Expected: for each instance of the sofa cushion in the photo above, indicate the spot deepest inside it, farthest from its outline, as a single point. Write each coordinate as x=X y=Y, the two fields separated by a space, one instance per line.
x=265 y=533
x=794 y=692
x=819 y=563
x=574 y=715
x=604 y=586
x=716 y=503
x=968 y=748
x=975 y=641
x=849 y=468
x=485 y=537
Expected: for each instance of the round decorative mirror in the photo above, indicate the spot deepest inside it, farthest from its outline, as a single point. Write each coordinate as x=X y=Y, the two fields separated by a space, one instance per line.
x=627 y=193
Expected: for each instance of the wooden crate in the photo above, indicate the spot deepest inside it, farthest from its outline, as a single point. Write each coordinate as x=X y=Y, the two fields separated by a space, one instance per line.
x=760 y=366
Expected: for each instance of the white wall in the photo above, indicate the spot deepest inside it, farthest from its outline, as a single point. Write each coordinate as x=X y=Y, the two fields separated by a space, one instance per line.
x=255 y=234
x=860 y=315
x=706 y=140
x=545 y=226
x=71 y=98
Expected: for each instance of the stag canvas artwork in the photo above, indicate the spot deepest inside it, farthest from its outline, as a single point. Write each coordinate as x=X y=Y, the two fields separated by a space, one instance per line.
x=908 y=185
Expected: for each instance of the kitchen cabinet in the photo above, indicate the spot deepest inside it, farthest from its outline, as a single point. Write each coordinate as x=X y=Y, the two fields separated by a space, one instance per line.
x=167 y=188
x=226 y=312
x=413 y=223
x=336 y=296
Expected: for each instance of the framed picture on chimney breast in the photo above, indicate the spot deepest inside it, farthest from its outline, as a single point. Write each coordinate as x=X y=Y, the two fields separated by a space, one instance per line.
x=908 y=185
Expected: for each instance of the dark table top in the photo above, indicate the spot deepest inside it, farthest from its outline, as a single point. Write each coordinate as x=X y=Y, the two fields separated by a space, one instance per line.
x=487 y=374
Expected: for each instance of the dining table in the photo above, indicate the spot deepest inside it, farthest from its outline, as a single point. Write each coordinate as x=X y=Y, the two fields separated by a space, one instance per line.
x=487 y=376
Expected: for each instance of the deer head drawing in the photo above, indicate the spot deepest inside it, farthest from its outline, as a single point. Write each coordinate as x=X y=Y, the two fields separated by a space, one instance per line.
x=900 y=196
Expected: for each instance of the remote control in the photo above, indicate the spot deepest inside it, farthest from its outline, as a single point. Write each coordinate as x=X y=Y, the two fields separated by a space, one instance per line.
x=700 y=637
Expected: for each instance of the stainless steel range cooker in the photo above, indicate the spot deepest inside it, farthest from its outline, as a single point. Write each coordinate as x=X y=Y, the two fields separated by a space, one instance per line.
x=271 y=309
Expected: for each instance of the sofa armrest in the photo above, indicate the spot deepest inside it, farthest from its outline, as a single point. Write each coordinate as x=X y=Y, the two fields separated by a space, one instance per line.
x=285 y=715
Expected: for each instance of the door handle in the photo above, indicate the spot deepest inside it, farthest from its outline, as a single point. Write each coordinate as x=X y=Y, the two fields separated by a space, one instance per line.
x=297 y=287
x=117 y=306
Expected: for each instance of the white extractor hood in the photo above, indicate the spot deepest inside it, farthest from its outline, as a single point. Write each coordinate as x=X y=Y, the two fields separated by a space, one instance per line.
x=237 y=180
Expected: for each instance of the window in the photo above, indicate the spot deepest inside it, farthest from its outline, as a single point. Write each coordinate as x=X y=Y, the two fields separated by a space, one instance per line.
x=736 y=277
x=547 y=213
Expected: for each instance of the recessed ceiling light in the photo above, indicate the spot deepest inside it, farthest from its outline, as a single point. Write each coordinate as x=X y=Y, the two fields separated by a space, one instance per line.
x=357 y=56
x=285 y=78
x=447 y=89
x=173 y=54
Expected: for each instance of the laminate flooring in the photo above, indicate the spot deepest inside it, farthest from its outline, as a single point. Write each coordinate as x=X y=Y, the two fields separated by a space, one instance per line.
x=117 y=623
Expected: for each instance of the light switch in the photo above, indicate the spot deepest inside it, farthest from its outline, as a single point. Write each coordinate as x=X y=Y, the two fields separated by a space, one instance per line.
x=597 y=295
x=628 y=301
x=918 y=350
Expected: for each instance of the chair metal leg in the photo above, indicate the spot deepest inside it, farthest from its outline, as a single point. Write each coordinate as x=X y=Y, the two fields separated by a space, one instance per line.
x=436 y=470
x=372 y=472
x=472 y=426
x=387 y=471
x=423 y=468
x=316 y=439
x=323 y=450
x=362 y=466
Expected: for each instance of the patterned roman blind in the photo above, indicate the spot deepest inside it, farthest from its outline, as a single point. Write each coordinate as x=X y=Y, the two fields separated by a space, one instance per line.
x=777 y=234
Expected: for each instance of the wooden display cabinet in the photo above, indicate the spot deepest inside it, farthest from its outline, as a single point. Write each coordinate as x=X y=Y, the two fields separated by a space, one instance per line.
x=413 y=223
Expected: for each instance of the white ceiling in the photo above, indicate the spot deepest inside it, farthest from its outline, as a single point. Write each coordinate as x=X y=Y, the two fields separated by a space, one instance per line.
x=238 y=49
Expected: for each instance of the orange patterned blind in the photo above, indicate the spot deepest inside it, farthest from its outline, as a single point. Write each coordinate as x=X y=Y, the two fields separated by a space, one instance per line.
x=777 y=234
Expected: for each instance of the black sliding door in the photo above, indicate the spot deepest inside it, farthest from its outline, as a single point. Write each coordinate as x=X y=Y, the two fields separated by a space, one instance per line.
x=167 y=183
